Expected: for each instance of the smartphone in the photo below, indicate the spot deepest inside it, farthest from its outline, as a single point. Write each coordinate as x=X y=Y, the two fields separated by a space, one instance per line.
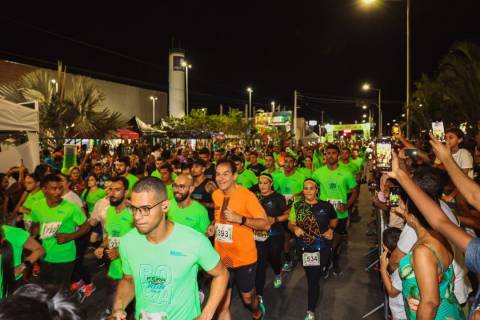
x=394 y=197
x=411 y=153
x=383 y=153
x=438 y=130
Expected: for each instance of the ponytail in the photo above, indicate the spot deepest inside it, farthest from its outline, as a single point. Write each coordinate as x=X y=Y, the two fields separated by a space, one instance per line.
x=8 y=274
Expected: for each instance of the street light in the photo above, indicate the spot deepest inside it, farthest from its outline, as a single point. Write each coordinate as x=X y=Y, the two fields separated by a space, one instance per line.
x=403 y=115
x=54 y=82
x=364 y=115
x=273 y=106
x=407 y=54
x=367 y=87
x=153 y=105
x=186 y=66
x=364 y=107
x=250 y=91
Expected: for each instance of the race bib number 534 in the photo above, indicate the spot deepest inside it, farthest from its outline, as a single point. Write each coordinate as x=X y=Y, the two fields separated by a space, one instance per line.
x=311 y=259
x=224 y=232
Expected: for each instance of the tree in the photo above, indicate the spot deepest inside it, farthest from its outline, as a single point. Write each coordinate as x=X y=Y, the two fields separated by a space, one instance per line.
x=75 y=113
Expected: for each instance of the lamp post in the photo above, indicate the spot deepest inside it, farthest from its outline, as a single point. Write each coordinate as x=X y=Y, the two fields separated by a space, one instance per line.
x=273 y=106
x=250 y=91
x=153 y=106
x=187 y=66
x=367 y=87
x=408 y=48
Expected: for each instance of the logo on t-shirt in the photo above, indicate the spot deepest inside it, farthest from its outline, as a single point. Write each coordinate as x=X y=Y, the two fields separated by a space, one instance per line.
x=156 y=283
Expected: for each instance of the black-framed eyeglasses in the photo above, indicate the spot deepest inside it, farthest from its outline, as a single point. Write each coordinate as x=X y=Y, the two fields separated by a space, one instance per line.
x=144 y=210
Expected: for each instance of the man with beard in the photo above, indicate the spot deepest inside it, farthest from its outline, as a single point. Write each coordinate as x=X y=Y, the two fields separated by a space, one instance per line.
x=58 y=223
x=203 y=187
x=122 y=168
x=160 y=262
x=118 y=222
x=184 y=210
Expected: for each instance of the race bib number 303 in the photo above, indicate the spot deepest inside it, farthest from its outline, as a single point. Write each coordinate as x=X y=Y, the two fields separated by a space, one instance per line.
x=311 y=259
x=49 y=229
x=224 y=232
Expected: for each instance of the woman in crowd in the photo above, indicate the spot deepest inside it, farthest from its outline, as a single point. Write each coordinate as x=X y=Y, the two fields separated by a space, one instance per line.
x=312 y=221
x=270 y=243
x=33 y=194
x=92 y=193
x=307 y=168
x=75 y=179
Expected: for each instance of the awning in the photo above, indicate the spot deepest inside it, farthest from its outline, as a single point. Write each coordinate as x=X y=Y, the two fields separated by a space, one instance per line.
x=127 y=134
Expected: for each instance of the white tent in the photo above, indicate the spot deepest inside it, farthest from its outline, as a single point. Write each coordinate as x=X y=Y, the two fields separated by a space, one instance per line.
x=16 y=118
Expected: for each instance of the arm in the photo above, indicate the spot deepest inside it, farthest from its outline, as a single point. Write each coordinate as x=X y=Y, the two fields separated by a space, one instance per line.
x=425 y=266
x=217 y=291
x=387 y=281
x=65 y=237
x=292 y=226
x=124 y=295
x=352 y=199
x=395 y=258
x=35 y=248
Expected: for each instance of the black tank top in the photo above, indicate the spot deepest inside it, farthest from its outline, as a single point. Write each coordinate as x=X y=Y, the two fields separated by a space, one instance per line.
x=201 y=195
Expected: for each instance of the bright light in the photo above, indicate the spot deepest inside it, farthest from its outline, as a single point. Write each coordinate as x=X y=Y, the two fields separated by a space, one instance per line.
x=272 y=103
x=250 y=90
x=388 y=123
x=363 y=121
x=366 y=87
x=53 y=81
x=420 y=105
x=153 y=98
x=364 y=107
x=368 y=2
x=364 y=115
x=184 y=63
x=394 y=120
x=403 y=115
x=189 y=66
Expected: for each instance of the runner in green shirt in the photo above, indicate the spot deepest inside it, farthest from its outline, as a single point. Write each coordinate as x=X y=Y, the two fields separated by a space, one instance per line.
x=92 y=193
x=58 y=223
x=290 y=182
x=166 y=175
x=272 y=169
x=32 y=186
x=246 y=178
x=307 y=170
x=118 y=222
x=335 y=184
x=160 y=261
x=122 y=167
x=345 y=162
x=184 y=210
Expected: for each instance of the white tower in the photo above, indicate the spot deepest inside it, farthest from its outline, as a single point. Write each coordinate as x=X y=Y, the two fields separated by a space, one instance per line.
x=176 y=83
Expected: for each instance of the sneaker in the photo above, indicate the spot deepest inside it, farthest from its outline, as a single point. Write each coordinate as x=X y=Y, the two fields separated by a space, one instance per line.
x=261 y=305
x=326 y=273
x=337 y=272
x=277 y=283
x=76 y=285
x=88 y=289
x=309 y=316
x=287 y=267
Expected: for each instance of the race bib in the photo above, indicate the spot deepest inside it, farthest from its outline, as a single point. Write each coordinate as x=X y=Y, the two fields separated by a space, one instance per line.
x=113 y=242
x=261 y=236
x=311 y=259
x=336 y=203
x=224 y=232
x=153 y=316
x=49 y=229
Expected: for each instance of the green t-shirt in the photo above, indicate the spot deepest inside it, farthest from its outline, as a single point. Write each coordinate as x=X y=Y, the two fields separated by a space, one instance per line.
x=131 y=182
x=116 y=226
x=64 y=218
x=17 y=238
x=170 y=195
x=156 y=174
x=358 y=162
x=28 y=204
x=317 y=159
x=194 y=216
x=350 y=166
x=247 y=179
x=334 y=186
x=165 y=274
x=291 y=185
x=275 y=175
x=307 y=173
x=93 y=197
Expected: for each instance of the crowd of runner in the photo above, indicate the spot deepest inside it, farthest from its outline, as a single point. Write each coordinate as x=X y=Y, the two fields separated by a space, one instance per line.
x=178 y=228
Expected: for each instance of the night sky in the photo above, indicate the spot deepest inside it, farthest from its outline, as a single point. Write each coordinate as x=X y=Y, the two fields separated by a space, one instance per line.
x=323 y=48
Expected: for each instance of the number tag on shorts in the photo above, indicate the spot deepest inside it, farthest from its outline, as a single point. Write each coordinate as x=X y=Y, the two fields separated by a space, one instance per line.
x=224 y=232
x=261 y=236
x=311 y=259
x=153 y=316
x=49 y=229
x=113 y=242
x=336 y=204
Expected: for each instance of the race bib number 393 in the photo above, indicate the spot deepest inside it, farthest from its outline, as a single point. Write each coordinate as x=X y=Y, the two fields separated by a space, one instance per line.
x=49 y=229
x=311 y=259
x=224 y=232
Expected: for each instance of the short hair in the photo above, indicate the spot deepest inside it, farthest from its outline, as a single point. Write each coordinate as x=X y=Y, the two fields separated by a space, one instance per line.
x=125 y=160
x=332 y=146
x=269 y=155
x=231 y=163
x=33 y=176
x=431 y=180
x=204 y=151
x=51 y=177
x=288 y=155
x=166 y=166
x=456 y=131
x=150 y=184
x=347 y=149
x=121 y=179
x=254 y=153
x=390 y=237
x=41 y=169
x=42 y=303
x=235 y=158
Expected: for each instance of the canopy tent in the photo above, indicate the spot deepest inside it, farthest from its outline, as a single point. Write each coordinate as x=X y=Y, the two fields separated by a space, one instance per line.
x=311 y=138
x=14 y=117
x=145 y=129
x=18 y=120
x=127 y=134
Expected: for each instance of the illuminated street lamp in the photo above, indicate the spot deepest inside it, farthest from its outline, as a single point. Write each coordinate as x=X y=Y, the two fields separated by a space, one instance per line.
x=250 y=91
x=153 y=106
x=364 y=115
x=187 y=66
x=364 y=107
x=367 y=87
x=273 y=106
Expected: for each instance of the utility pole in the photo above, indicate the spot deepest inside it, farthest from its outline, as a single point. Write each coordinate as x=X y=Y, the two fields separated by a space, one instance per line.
x=246 y=112
x=409 y=114
x=295 y=116
x=221 y=109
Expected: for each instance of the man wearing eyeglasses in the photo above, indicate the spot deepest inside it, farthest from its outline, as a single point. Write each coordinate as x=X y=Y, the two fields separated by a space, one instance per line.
x=160 y=262
x=184 y=209
x=118 y=222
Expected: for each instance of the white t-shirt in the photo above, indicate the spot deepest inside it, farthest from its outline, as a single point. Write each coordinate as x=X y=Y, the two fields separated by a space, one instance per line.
x=397 y=306
x=463 y=158
x=408 y=238
x=73 y=198
x=99 y=211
